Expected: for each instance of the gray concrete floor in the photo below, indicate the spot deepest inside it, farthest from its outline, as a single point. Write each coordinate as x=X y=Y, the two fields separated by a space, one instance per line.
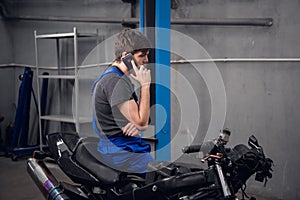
x=15 y=182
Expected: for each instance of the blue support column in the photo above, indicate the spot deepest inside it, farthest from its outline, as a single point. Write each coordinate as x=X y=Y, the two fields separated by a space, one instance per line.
x=142 y=13
x=162 y=74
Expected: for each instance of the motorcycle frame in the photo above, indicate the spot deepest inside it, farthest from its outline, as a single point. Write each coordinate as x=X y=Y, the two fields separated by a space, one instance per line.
x=64 y=191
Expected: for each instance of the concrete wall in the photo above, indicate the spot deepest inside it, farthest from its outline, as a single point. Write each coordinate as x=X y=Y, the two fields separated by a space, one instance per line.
x=17 y=46
x=6 y=55
x=7 y=106
x=261 y=97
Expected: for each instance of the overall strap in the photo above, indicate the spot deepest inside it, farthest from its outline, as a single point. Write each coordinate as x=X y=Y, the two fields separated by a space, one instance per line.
x=95 y=123
x=111 y=70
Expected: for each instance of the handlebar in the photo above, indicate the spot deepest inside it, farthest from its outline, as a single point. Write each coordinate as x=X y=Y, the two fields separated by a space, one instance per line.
x=204 y=147
x=191 y=149
x=209 y=145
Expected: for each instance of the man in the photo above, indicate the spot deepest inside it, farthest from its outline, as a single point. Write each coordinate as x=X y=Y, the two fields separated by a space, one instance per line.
x=119 y=116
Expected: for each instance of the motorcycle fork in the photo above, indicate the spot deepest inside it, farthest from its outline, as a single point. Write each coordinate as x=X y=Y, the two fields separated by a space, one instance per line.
x=224 y=185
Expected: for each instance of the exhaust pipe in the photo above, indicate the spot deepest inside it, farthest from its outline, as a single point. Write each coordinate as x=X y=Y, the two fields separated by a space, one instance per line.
x=44 y=179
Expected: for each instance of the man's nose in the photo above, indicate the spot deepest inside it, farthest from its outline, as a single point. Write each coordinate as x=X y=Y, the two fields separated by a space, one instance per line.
x=146 y=59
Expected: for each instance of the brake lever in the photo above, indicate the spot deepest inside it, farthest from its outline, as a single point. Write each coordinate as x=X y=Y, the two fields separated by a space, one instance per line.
x=217 y=156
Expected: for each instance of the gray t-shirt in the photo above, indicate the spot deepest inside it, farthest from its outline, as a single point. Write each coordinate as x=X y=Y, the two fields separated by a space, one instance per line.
x=112 y=90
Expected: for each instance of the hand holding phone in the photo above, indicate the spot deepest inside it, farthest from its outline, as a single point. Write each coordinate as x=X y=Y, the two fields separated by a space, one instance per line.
x=127 y=61
x=139 y=72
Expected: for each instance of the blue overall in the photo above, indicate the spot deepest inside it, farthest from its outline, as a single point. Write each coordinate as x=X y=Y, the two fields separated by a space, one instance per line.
x=121 y=152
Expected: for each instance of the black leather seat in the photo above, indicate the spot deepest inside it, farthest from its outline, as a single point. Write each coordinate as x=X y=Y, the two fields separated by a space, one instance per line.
x=89 y=158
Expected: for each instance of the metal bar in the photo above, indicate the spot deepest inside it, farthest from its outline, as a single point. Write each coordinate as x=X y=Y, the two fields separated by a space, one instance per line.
x=76 y=84
x=57 y=77
x=61 y=104
x=54 y=67
x=77 y=19
x=38 y=91
x=172 y=62
x=55 y=35
x=59 y=118
x=225 y=22
x=236 y=60
x=65 y=118
x=174 y=21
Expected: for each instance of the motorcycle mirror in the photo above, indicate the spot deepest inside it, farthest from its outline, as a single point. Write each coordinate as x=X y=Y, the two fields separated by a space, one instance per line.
x=253 y=142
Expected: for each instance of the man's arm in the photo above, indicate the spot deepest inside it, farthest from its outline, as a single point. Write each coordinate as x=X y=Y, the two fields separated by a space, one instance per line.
x=138 y=114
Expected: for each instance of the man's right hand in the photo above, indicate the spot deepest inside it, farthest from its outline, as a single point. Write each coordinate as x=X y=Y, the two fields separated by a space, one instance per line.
x=142 y=75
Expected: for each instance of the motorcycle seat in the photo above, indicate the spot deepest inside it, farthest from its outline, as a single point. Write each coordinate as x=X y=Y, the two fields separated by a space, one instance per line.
x=89 y=158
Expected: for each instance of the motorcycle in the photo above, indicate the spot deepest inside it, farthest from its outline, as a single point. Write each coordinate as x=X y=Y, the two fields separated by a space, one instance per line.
x=226 y=173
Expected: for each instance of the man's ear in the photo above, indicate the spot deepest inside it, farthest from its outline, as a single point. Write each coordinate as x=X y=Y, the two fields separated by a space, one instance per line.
x=124 y=53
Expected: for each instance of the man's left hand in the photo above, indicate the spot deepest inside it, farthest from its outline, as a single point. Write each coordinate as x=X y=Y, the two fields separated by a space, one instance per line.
x=130 y=130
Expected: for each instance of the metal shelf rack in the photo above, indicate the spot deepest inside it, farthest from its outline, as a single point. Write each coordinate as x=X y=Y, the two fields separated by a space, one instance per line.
x=74 y=118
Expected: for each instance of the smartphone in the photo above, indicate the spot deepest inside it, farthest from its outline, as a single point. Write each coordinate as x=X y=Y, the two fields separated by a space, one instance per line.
x=127 y=61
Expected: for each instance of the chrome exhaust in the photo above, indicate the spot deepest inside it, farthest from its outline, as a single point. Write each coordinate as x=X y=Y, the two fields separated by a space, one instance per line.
x=45 y=181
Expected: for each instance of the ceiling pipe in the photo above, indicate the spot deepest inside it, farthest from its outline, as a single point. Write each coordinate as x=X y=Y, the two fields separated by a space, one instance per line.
x=135 y=21
x=225 y=21
x=77 y=19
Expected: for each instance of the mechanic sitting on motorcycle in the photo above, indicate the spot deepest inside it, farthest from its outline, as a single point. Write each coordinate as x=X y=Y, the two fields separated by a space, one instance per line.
x=118 y=115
